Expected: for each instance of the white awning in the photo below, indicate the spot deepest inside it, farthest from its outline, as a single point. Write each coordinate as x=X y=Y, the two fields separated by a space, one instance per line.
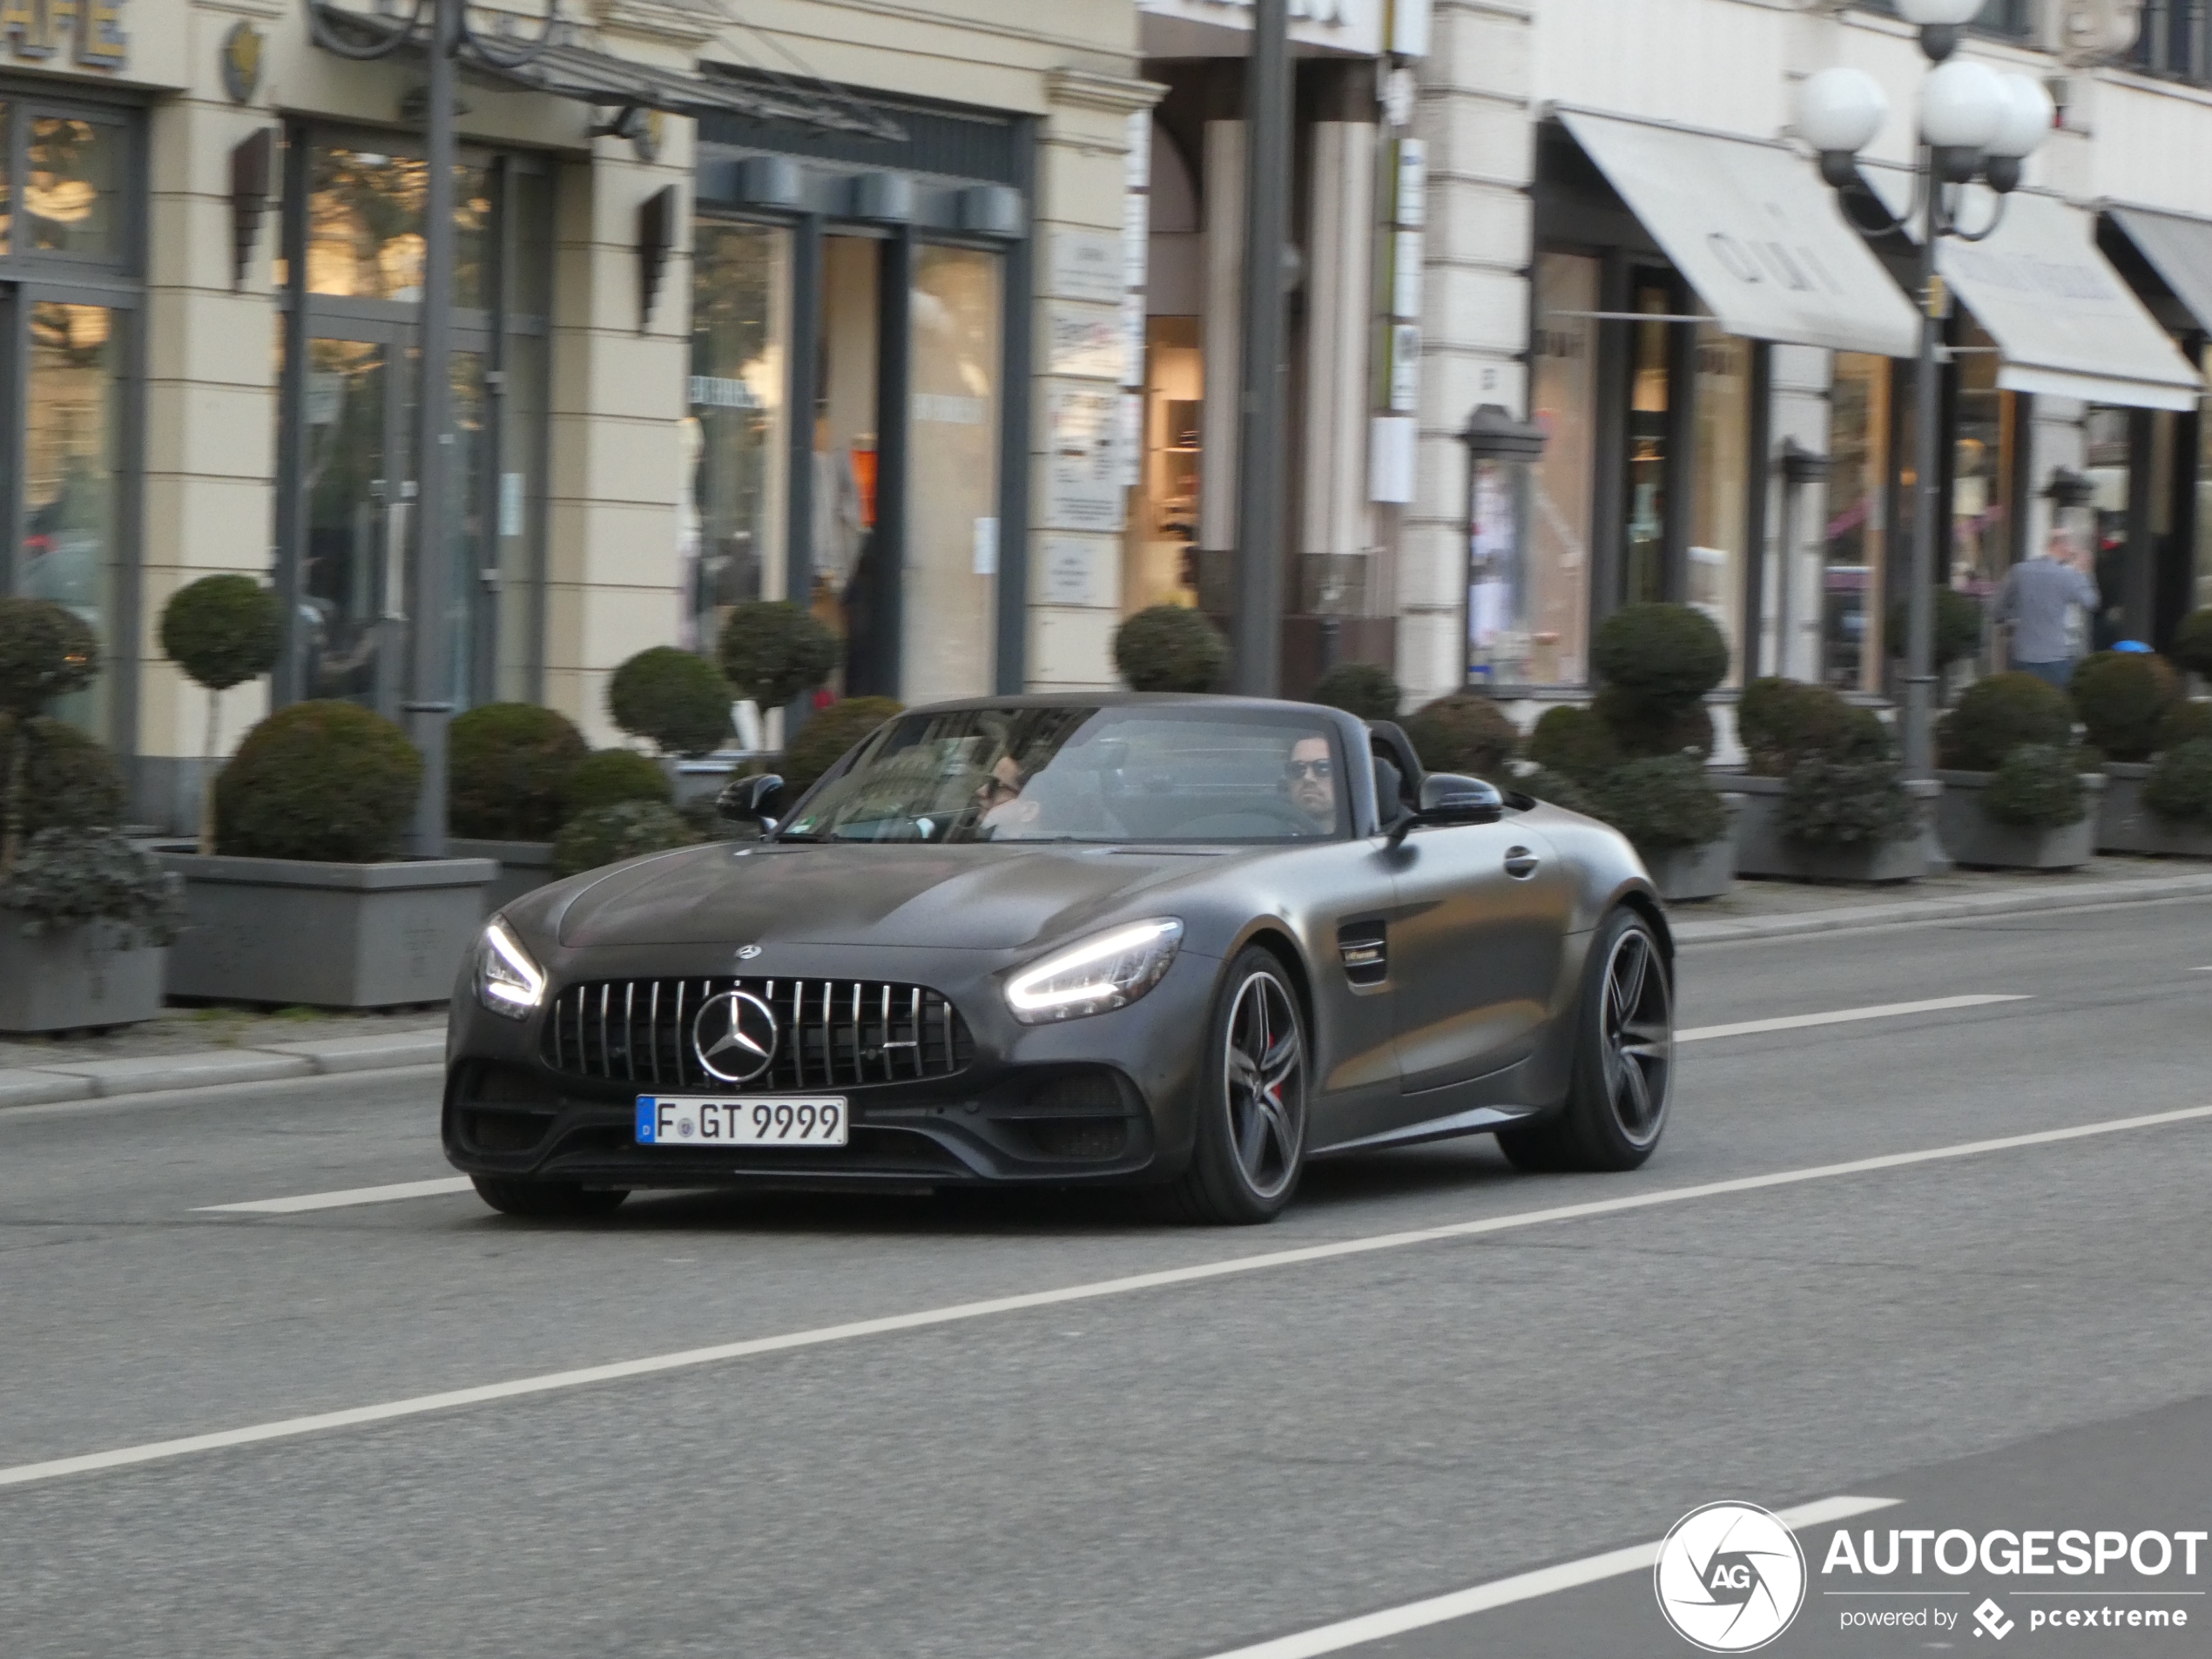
x=2066 y=323
x=2179 y=249
x=1752 y=228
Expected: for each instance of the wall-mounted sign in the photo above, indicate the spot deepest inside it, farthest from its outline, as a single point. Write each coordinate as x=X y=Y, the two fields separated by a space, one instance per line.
x=1070 y=571
x=1087 y=265
x=1084 y=344
x=1084 y=487
x=91 y=32
x=242 y=47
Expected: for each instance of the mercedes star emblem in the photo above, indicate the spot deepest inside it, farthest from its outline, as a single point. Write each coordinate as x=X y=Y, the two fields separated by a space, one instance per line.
x=746 y=953
x=734 y=1035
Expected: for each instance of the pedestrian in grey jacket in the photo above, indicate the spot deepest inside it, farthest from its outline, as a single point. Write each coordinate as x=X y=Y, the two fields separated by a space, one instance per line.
x=2035 y=599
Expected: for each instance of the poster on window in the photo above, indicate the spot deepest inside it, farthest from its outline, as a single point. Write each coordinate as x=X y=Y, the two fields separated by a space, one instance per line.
x=1084 y=488
x=1493 y=599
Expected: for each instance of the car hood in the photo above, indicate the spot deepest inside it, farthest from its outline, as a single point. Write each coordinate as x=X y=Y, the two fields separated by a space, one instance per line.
x=976 y=898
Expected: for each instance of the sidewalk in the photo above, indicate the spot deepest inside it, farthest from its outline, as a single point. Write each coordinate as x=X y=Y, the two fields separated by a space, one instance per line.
x=200 y=1048
x=1782 y=909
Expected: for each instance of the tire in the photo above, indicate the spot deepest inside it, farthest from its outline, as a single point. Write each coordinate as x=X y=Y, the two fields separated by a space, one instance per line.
x=1623 y=1075
x=546 y=1200
x=1251 y=1099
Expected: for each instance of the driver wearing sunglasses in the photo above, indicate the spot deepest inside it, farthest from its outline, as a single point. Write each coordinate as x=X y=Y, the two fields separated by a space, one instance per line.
x=1311 y=775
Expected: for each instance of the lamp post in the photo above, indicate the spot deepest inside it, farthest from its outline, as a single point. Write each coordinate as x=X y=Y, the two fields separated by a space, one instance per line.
x=1972 y=122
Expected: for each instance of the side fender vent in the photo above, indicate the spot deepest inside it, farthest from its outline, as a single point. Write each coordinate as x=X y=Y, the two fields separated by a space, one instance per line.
x=1364 y=947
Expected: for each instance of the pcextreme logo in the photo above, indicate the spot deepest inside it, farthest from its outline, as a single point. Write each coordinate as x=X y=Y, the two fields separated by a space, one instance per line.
x=1730 y=1577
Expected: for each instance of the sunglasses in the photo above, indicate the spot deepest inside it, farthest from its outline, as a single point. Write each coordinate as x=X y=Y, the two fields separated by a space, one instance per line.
x=998 y=786
x=1312 y=769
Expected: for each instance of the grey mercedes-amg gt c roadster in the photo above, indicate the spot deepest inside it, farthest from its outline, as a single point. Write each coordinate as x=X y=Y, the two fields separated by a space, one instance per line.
x=1189 y=942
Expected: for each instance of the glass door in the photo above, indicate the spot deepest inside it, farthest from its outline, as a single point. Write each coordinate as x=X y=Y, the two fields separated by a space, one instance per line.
x=359 y=493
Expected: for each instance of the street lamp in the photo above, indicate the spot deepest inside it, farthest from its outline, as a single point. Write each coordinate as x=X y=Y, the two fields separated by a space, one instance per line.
x=1973 y=122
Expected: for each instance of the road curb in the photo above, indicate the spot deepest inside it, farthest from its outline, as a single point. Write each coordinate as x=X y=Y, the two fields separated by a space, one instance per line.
x=2072 y=895
x=75 y=1080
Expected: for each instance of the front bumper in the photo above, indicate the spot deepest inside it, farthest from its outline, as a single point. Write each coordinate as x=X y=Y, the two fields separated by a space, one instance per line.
x=1104 y=1099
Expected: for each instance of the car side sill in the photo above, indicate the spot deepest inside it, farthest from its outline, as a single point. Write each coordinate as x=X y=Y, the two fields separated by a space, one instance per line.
x=1475 y=1121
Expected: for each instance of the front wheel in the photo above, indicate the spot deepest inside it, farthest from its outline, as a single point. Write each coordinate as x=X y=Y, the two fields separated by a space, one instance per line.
x=1251 y=1099
x=1624 y=1070
x=546 y=1200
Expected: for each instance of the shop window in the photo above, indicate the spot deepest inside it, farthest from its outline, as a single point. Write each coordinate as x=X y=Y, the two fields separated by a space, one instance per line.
x=738 y=433
x=950 y=579
x=1721 y=494
x=72 y=188
x=1855 y=546
x=1544 y=637
x=1163 y=568
x=1648 y=433
x=853 y=590
x=2131 y=464
x=1983 y=534
x=365 y=227
x=73 y=402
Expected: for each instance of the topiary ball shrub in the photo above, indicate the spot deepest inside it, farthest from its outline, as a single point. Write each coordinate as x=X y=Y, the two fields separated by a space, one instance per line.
x=628 y=830
x=507 y=772
x=2192 y=644
x=1642 y=727
x=68 y=877
x=2179 y=788
x=1170 y=648
x=1997 y=715
x=1573 y=743
x=825 y=739
x=1781 y=722
x=70 y=781
x=2036 y=787
x=223 y=631
x=1364 y=689
x=2122 y=696
x=1661 y=801
x=1845 y=803
x=1557 y=789
x=2184 y=722
x=610 y=776
x=45 y=652
x=1463 y=734
x=1666 y=653
x=773 y=651
x=328 y=782
x=1957 y=628
x=672 y=699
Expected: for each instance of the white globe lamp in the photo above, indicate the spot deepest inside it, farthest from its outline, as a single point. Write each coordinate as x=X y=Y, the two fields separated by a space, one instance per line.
x=1840 y=110
x=1962 y=106
x=1941 y=13
x=2029 y=115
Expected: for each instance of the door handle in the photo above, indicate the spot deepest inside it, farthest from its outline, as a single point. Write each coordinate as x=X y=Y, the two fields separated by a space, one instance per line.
x=1521 y=863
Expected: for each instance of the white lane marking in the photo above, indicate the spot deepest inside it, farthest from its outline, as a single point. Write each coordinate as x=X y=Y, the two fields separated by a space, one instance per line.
x=1522 y=1587
x=1840 y=1016
x=688 y=1358
x=339 y=1200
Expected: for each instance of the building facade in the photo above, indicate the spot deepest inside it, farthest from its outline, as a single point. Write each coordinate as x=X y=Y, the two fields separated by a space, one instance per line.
x=791 y=342
x=1629 y=247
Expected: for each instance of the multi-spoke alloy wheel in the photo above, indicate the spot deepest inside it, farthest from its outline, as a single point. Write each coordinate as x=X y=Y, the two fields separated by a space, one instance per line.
x=1624 y=1071
x=1639 y=1036
x=1264 y=1078
x=1249 y=1140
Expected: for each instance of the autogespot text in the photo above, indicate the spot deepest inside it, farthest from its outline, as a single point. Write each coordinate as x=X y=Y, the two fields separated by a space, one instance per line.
x=2152 y=1576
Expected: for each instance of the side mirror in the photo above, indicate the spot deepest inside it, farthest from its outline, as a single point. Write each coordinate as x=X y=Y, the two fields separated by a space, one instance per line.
x=1448 y=799
x=745 y=801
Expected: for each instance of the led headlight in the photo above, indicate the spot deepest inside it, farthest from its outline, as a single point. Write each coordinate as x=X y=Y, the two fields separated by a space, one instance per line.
x=1110 y=970
x=507 y=981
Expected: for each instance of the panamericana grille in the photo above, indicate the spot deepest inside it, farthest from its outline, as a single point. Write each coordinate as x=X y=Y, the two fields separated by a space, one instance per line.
x=830 y=1033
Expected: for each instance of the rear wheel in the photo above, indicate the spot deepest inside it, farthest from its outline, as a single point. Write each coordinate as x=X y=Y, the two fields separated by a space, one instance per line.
x=546 y=1200
x=1251 y=1099
x=1623 y=1075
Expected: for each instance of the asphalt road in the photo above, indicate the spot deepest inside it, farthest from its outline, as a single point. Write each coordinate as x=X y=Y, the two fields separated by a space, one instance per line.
x=2011 y=1337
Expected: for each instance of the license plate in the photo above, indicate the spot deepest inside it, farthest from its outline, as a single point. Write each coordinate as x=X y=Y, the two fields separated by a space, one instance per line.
x=702 y=1120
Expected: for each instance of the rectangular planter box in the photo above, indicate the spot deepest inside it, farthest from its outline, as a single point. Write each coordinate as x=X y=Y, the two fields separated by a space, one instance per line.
x=327 y=935
x=2125 y=825
x=1973 y=837
x=1707 y=872
x=1762 y=850
x=522 y=866
x=94 y=974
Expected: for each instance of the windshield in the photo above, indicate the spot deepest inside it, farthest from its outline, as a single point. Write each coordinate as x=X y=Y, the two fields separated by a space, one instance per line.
x=1086 y=774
